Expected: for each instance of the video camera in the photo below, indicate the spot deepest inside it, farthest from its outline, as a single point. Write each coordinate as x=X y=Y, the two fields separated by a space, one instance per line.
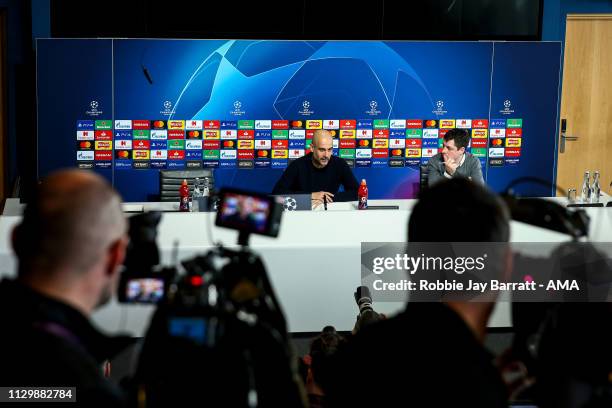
x=249 y=213
x=218 y=334
x=145 y=281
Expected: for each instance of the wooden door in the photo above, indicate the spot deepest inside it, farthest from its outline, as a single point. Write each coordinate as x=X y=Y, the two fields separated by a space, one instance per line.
x=3 y=108
x=586 y=101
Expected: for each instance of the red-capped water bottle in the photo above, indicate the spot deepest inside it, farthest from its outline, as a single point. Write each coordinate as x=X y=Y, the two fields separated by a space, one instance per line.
x=362 y=194
x=184 y=197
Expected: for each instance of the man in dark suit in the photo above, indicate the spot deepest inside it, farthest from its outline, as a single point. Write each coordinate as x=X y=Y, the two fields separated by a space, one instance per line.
x=319 y=173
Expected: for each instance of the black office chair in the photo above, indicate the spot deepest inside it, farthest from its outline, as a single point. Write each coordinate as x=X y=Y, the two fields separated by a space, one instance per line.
x=423 y=177
x=170 y=181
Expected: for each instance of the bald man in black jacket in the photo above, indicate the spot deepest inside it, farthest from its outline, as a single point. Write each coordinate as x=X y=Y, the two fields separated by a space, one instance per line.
x=70 y=246
x=319 y=173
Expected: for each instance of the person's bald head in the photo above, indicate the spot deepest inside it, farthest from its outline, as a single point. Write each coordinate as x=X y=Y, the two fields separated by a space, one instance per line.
x=69 y=225
x=322 y=147
x=322 y=136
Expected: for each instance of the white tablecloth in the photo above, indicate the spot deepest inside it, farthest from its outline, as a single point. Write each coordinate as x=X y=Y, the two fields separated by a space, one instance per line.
x=314 y=264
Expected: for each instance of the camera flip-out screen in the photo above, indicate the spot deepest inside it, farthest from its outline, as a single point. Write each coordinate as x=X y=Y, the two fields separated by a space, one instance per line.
x=144 y=290
x=249 y=212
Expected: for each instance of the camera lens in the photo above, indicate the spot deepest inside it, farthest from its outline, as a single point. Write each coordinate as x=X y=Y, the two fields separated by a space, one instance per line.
x=363 y=299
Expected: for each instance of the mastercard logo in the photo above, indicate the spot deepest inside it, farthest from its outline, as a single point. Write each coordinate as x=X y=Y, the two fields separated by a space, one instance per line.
x=262 y=153
x=228 y=143
x=193 y=134
x=497 y=142
x=85 y=145
x=333 y=133
x=158 y=124
x=364 y=143
x=296 y=123
x=430 y=123
x=396 y=152
x=123 y=154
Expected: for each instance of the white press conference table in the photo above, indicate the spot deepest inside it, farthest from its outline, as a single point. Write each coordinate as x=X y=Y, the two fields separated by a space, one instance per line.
x=314 y=264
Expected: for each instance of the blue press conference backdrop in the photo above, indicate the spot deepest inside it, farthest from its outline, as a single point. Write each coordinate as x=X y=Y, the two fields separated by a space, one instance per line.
x=88 y=85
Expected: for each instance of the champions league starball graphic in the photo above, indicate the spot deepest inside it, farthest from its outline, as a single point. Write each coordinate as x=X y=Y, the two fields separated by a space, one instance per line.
x=289 y=204
x=255 y=105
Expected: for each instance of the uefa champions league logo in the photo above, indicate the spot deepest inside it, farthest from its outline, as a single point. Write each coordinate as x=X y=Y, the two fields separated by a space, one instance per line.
x=439 y=108
x=167 y=111
x=289 y=204
x=373 y=111
x=306 y=109
x=93 y=111
x=507 y=110
x=237 y=111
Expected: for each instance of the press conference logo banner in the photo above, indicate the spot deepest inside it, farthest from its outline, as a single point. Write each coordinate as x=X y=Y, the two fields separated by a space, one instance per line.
x=483 y=271
x=389 y=102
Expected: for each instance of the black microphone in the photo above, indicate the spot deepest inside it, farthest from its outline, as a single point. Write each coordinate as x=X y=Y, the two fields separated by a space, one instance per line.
x=324 y=202
x=147 y=75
